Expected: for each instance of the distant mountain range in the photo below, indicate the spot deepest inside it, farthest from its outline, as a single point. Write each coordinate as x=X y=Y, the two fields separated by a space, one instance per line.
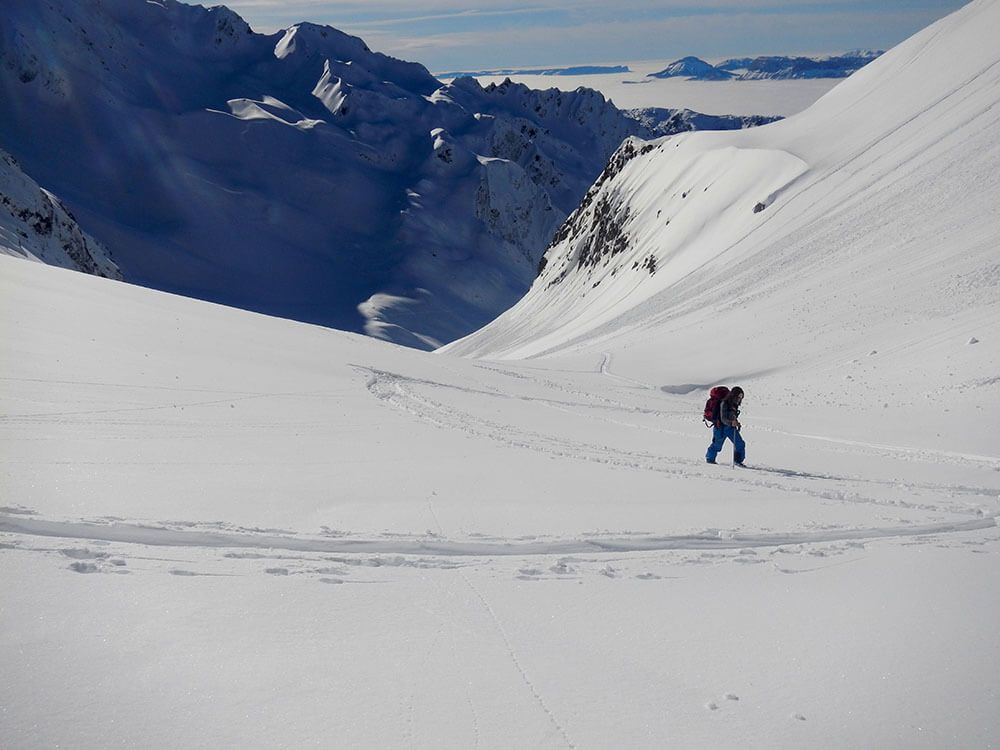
x=775 y=68
x=660 y=121
x=578 y=70
x=298 y=174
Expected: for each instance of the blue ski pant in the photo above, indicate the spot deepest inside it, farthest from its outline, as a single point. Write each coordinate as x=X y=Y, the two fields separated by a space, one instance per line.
x=719 y=435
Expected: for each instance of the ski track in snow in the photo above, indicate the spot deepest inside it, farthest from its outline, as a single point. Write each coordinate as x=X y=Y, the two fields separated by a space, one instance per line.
x=459 y=669
x=164 y=536
x=400 y=392
x=894 y=450
x=512 y=653
x=605 y=369
x=412 y=396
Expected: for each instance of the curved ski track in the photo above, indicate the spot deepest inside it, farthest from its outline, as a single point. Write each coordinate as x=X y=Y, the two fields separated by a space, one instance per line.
x=166 y=536
x=410 y=395
x=400 y=392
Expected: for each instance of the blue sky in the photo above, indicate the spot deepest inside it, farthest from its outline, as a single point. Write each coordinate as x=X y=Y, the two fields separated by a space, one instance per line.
x=446 y=35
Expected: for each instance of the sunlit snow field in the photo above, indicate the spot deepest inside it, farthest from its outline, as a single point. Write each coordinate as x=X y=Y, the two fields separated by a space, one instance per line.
x=222 y=529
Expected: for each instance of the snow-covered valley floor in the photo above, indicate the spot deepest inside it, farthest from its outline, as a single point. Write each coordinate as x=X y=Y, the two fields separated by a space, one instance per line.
x=226 y=530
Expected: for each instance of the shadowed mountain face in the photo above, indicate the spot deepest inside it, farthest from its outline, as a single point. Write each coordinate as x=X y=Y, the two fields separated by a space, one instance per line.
x=298 y=174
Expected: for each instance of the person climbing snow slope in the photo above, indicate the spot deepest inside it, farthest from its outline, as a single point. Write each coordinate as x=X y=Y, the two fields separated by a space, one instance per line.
x=728 y=426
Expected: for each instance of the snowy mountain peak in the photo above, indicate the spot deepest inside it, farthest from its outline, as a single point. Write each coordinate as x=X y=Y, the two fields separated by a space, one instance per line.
x=208 y=33
x=692 y=67
x=308 y=39
x=308 y=45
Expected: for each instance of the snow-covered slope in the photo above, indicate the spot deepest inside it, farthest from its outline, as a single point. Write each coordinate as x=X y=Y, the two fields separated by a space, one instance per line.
x=854 y=244
x=299 y=173
x=219 y=529
x=34 y=224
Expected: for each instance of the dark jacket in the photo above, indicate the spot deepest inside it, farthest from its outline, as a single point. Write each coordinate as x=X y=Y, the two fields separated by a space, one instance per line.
x=729 y=413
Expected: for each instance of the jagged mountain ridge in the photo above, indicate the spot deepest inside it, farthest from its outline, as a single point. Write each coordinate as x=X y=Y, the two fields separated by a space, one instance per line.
x=662 y=121
x=782 y=67
x=573 y=70
x=34 y=224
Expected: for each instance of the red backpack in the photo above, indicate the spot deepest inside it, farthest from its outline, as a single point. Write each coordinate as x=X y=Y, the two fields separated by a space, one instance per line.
x=715 y=397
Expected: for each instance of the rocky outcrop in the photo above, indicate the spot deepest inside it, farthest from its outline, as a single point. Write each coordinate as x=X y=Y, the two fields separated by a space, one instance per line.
x=34 y=224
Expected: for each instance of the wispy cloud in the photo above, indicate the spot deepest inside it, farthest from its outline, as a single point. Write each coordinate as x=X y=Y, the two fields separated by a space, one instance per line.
x=448 y=34
x=707 y=36
x=464 y=15
x=403 y=10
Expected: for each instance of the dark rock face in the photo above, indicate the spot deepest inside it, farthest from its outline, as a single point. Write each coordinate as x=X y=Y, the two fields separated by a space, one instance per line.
x=599 y=221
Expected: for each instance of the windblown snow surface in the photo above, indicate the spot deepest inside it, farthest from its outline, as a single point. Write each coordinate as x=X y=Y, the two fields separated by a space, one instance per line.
x=221 y=529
